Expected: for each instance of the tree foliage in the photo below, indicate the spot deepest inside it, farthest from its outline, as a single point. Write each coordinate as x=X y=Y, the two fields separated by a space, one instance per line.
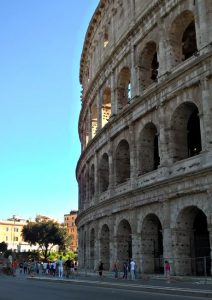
x=46 y=234
x=3 y=247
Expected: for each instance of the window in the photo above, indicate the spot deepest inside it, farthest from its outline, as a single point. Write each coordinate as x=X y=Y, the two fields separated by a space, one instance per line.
x=106 y=39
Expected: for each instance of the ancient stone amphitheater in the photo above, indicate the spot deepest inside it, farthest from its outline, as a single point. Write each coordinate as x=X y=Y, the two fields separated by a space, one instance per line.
x=145 y=171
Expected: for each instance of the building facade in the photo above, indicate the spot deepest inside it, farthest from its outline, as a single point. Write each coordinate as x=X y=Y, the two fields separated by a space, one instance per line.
x=145 y=127
x=11 y=232
x=69 y=221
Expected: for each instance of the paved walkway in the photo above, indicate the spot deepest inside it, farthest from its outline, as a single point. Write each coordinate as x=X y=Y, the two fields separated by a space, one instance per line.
x=191 y=286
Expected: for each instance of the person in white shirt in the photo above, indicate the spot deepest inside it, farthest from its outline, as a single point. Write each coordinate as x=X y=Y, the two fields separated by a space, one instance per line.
x=132 y=269
x=60 y=267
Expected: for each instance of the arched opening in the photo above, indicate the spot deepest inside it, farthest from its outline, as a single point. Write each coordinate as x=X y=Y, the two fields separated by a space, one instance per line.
x=92 y=181
x=185 y=131
x=106 y=106
x=148 y=65
x=93 y=120
x=104 y=173
x=183 y=37
x=152 y=244
x=189 y=43
x=122 y=162
x=124 y=88
x=191 y=243
x=105 y=247
x=124 y=242
x=149 y=150
x=92 y=249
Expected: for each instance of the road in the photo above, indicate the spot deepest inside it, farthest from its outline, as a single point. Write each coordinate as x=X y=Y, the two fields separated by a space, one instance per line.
x=22 y=289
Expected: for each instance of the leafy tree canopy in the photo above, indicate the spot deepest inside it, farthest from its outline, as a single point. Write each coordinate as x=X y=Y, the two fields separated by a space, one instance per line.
x=3 y=247
x=46 y=234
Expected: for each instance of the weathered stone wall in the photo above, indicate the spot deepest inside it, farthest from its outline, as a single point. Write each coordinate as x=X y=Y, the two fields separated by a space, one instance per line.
x=146 y=132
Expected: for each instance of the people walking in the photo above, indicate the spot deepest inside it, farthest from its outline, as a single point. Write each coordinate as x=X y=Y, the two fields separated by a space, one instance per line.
x=125 y=270
x=100 y=268
x=167 y=270
x=116 y=269
x=132 y=269
x=60 y=267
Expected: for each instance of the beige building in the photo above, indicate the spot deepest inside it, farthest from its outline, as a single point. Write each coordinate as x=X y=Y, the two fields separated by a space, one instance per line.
x=145 y=171
x=11 y=232
x=69 y=221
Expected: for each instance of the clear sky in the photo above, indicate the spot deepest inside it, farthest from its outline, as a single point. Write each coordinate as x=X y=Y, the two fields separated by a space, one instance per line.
x=40 y=47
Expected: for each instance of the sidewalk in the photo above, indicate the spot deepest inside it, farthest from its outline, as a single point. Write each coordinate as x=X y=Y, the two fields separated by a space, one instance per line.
x=187 y=286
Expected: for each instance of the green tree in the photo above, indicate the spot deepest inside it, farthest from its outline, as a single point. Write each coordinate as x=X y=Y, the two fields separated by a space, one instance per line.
x=3 y=247
x=46 y=234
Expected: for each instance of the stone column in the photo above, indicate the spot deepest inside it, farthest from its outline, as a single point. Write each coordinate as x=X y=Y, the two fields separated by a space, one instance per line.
x=112 y=180
x=96 y=177
x=99 y=110
x=163 y=57
x=206 y=128
x=113 y=94
x=89 y=124
x=167 y=237
x=136 y=251
x=113 y=249
x=97 y=255
x=133 y=79
x=163 y=140
x=203 y=24
x=133 y=170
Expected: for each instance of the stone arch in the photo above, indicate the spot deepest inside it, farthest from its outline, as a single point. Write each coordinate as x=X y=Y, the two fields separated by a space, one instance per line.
x=182 y=37
x=185 y=132
x=191 y=242
x=104 y=173
x=148 y=64
x=92 y=249
x=149 y=150
x=92 y=181
x=124 y=241
x=152 y=244
x=122 y=161
x=123 y=88
x=93 y=120
x=106 y=106
x=105 y=246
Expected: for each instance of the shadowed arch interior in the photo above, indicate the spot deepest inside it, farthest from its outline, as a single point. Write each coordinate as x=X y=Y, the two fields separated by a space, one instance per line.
x=122 y=162
x=105 y=247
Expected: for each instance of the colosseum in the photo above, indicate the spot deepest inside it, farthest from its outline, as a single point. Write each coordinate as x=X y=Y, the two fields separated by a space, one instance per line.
x=145 y=126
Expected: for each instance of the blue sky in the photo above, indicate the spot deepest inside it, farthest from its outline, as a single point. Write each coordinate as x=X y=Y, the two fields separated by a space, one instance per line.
x=40 y=48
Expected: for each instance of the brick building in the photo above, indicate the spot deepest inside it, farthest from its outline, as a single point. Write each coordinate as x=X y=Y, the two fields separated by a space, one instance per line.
x=69 y=221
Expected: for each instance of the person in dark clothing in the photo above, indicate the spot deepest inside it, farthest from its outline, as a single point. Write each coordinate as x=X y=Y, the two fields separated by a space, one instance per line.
x=100 y=268
x=68 y=264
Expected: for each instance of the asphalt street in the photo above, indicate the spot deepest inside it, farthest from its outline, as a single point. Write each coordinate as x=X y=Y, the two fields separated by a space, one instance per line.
x=15 y=288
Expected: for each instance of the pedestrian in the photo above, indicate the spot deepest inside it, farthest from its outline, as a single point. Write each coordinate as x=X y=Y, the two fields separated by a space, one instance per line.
x=25 y=267
x=116 y=270
x=132 y=269
x=100 y=268
x=21 y=266
x=14 y=267
x=125 y=270
x=68 y=267
x=167 y=270
x=60 y=267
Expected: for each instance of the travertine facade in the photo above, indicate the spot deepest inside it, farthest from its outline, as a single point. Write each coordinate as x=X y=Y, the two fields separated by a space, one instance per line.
x=145 y=127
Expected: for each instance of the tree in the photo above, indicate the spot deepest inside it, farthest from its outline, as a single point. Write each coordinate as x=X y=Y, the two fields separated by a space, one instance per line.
x=3 y=247
x=46 y=234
